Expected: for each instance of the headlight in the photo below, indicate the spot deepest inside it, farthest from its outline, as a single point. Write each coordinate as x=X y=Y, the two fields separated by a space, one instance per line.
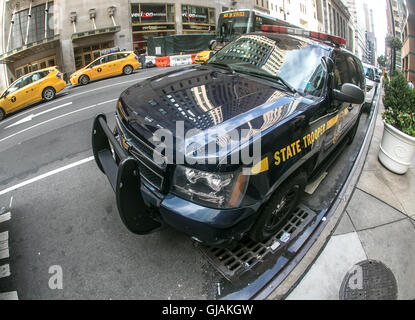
x=219 y=190
x=74 y=75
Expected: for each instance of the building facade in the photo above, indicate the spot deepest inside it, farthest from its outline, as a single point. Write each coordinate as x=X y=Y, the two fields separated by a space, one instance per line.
x=408 y=40
x=358 y=22
x=396 y=12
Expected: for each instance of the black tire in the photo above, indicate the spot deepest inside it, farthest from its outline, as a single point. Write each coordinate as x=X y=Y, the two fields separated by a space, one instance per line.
x=128 y=70
x=2 y=114
x=48 y=94
x=271 y=218
x=352 y=132
x=83 y=80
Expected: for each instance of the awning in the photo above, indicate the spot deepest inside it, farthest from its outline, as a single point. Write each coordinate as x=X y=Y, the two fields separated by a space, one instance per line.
x=30 y=49
x=96 y=32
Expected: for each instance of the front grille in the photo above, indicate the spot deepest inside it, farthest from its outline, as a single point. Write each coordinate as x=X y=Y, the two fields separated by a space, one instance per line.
x=150 y=171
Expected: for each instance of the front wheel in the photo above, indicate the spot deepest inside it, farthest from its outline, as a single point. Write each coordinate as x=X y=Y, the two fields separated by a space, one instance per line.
x=84 y=80
x=128 y=70
x=279 y=208
x=48 y=94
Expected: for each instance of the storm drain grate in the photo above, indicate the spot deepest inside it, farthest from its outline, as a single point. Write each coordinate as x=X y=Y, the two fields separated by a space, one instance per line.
x=247 y=253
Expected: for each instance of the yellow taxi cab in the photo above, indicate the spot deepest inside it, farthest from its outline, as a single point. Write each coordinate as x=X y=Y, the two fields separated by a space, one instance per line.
x=112 y=64
x=203 y=56
x=33 y=87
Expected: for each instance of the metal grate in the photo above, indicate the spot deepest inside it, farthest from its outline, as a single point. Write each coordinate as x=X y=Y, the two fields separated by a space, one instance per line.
x=246 y=254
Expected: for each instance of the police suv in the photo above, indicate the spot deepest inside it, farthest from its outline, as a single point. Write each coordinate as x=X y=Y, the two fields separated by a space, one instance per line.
x=282 y=98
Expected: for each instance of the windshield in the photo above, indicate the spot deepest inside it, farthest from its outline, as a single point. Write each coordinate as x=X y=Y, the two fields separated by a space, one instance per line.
x=292 y=62
x=231 y=27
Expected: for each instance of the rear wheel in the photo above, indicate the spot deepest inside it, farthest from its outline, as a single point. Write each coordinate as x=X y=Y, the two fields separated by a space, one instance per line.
x=279 y=208
x=48 y=94
x=128 y=70
x=84 y=80
x=2 y=114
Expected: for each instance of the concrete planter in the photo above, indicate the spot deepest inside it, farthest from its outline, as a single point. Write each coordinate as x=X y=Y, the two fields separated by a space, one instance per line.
x=396 y=149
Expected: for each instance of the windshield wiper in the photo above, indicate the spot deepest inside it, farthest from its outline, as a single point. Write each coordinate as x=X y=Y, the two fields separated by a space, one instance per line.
x=272 y=78
x=286 y=84
x=222 y=66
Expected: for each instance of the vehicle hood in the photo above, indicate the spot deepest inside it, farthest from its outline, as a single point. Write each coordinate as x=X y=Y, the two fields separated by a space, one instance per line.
x=208 y=99
x=78 y=72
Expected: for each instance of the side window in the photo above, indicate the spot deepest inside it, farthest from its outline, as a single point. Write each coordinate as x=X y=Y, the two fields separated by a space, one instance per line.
x=341 y=71
x=112 y=57
x=39 y=75
x=103 y=60
x=361 y=73
x=26 y=81
x=354 y=73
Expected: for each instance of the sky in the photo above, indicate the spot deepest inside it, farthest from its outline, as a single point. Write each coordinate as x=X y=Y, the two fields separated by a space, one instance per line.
x=380 y=22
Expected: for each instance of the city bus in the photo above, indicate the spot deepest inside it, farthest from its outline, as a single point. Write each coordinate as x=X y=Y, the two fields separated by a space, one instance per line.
x=232 y=24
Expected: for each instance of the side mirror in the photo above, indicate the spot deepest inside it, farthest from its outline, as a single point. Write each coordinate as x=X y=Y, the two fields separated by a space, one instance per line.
x=349 y=93
x=212 y=44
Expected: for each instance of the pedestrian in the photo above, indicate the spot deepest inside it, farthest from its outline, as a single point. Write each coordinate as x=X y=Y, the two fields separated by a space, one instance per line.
x=411 y=85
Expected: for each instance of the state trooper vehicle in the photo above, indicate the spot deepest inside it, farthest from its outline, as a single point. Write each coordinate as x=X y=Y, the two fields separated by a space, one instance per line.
x=298 y=93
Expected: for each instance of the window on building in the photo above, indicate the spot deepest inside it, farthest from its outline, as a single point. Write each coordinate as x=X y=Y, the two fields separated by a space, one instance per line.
x=36 y=26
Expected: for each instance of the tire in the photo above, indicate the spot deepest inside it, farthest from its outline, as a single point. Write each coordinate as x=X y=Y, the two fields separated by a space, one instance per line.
x=352 y=132
x=2 y=114
x=83 y=80
x=128 y=70
x=271 y=218
x=48 y=94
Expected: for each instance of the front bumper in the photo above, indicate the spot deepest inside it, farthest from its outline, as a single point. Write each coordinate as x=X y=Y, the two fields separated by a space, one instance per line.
x=142 y=209
x=74 y=80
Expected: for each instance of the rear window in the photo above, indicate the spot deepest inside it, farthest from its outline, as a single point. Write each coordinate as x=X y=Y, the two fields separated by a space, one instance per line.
x=122 y=55
x=369 y=73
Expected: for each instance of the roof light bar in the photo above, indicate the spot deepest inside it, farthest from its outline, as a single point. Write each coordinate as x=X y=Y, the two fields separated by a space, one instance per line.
x=305 y=33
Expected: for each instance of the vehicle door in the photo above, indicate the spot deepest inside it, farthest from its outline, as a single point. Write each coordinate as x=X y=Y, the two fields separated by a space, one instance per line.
x=112 y=67
x=19 y=94
x=35 y=88
x=96 y=68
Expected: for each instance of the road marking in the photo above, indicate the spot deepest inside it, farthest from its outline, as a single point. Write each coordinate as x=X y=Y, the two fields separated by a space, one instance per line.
x=55 y=118
x=11 y=203
x=4 y=253
x=30 y=117
x=45 y=175
x=5 y=217
x=4 y=236
x=5 y=271
x=9 y=296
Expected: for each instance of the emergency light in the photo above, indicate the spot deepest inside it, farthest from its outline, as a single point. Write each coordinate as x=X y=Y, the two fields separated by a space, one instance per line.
x=305 y=33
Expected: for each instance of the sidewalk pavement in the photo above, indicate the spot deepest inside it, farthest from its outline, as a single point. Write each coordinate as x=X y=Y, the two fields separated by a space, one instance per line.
x=378 y=224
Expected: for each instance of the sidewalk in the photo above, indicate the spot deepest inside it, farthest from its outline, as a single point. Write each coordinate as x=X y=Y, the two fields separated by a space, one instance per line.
x=378 y=224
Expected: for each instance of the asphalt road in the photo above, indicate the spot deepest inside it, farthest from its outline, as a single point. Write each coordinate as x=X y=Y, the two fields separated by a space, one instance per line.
x=63 y=211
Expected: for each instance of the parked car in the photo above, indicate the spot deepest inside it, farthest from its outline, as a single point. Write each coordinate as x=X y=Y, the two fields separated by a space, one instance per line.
x=298 y=96
x=33 y=87
x=204 y=56
x=112 y=64
x=372 y=80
